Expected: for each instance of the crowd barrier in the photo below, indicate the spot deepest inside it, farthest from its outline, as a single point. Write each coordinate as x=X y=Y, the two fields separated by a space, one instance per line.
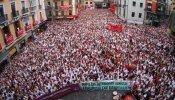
x=60 y=93
x=88 y=86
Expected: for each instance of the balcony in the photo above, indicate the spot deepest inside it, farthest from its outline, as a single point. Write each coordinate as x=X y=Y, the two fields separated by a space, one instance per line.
x=25 y=10
x=32 y=8
x=66 y=7
x=35 y=23
x=3 y=19
x=9 y=39
x=15 y=14
x=48 y=7
x=19 y=33
x=42 y=20
x=28 y=27
x=40 y=7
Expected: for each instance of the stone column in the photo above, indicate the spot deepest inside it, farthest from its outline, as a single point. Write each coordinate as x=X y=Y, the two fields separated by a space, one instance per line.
x=74 y=12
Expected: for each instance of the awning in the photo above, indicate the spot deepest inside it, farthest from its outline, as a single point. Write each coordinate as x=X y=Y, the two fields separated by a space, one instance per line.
x=12 y=52
x=3 y=56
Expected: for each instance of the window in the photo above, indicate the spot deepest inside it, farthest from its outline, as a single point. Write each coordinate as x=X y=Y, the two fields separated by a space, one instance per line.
x=56 y=5
x=6 y=30
x=23 y=4
x=1 y=11
x=56 y=13
x=33 y=2
x=13 y=9
x=149 y=7
x=62 y=13
x=50 y=13
x=26 y=19
x=134 y=3
x=70 y=2
x=62 y=3
x=124 y=13
x=39 y=2
x=141 y=5
x=40 y=15
x=133 y=14
x=17 y=25
x=49 y=3
x=23 y=7
x=70 y=12
x=140 y=15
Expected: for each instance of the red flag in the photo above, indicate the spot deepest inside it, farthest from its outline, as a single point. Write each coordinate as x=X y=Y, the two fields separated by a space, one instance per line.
x=119 y=28
x=111 y=27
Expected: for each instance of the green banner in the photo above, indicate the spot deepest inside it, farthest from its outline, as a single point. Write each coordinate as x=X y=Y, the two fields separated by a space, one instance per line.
x=105 y=85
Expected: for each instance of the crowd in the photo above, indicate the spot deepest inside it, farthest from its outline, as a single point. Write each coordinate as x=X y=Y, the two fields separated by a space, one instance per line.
x=79 y=50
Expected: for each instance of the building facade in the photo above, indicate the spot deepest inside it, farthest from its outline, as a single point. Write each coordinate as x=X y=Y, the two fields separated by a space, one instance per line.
x=19 y=20
x=136 y=11
x=101 y=3
x=88 y=3
x=168 y=7
x=56 y=9
x=155 y=11
x=131 y=11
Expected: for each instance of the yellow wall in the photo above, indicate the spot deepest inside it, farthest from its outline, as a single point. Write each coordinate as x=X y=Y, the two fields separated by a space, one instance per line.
x=2 y=40
x=18 y=6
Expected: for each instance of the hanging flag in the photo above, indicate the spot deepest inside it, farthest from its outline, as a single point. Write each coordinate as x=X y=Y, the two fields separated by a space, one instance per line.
x=118 y=28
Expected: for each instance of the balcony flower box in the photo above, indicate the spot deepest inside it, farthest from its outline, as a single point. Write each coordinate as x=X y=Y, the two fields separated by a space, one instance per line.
x=9 y=39
x=35 y=23
x=19 y=32
x=42 y=20
x=66 y=7
x=0 y=46
x=29 y=27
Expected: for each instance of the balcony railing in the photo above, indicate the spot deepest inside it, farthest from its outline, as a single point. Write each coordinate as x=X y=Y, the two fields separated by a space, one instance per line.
x=9 y=39
x=3 y=18
x=35 y=23
x=42 y=20
x=40 y=7
x=32 y=8
x=25 y=10
x=66 y=7
x=15 y=14
x=28 y=27
x=49 y=7
x=19 y=32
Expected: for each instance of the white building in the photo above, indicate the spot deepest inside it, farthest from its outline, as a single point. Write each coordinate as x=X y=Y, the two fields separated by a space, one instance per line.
x=168 y=6
x=131 y=11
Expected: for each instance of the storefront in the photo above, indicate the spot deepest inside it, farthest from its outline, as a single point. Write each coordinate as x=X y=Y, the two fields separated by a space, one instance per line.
x=3 y=60
x=21 y=43
x=3 y=56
